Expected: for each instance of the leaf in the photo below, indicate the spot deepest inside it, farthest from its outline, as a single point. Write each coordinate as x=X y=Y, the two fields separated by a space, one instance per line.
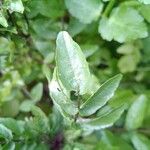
x=84 y=8
x=14 y=5
x=136 y=113
x=61 y=97
x=110 y=141
x=100 y=97
x=72 y=67
x=126 y=49
x=9 y=146
x=52 y=9
x=89 y=49
x=75 y=27
x=145 y=11
x=140 y=142
x=122 y=97
x=5 y=133
x=26 y=105
x=37 y=92
x=15 y=126
x=104 y=121
x=124 y=24
x=45 y=29
x=131 y=58
x=144 y=1
x=39 y=123
x=3 y=20
x=127 y=64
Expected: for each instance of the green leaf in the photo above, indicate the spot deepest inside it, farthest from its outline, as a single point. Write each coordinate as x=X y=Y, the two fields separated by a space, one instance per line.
x=122 y=97
x=14 y=5
x=12 y=124
x=110 y=141
x=52 y=9
x=26 y=105
x=126 y=49
x=144 y=1
x=102 y=122
x=127 y=63
x=84 y=8
x=39 y=123
x=140 y=142
x=45 y=29
x=101 y=96
x=9 y=146
x=72 y=67
x=124 y=24
x=37 y=92
x=89 y=49
x=136 y=113
x=61 y=97
x=75 y=27
x=145 y=11
x=3 y=20
x=5 y=132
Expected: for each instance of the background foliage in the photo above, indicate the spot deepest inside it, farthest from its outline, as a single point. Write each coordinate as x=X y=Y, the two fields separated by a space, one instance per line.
x=114 y=37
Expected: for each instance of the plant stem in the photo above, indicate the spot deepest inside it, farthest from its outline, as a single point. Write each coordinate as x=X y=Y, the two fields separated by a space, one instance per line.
x=109 y=8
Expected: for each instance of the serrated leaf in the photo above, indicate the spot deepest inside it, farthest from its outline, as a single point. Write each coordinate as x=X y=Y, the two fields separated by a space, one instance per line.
x=140 y=142
x=72 y=67
x=136 y=113
x=84 y=8
x=37 y=92
x=100 y=97
x=61 y=97
x=5 y=133
x=104 y=121
x=144 y=1
x=124 y=24
x=3 y=20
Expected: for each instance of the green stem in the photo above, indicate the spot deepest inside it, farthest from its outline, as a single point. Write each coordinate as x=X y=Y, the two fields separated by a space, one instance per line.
x=109 y=8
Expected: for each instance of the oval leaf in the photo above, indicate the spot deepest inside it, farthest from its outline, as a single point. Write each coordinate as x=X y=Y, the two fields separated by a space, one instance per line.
x=37 y=92
x=136 y=113
x=101 y=97
x=84 y=8
x=72 y=67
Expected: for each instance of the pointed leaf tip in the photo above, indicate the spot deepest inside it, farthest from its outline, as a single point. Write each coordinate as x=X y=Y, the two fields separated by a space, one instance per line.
x=101 y=96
